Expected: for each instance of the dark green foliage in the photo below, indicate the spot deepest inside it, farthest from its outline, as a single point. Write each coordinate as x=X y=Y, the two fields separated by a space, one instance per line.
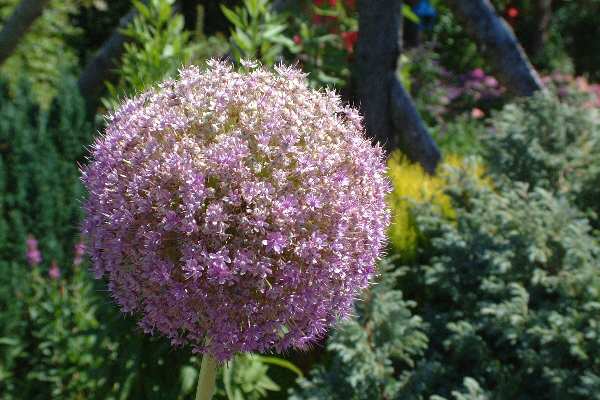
x=39 y=178
x=511 y=292
x=44 y=339
x=64 y=339
x=460 y=52
x=45 y=350
x=551 y=144
x=578 y=30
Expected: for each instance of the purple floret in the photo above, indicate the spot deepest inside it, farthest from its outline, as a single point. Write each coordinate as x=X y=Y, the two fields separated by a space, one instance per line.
x=236 y=212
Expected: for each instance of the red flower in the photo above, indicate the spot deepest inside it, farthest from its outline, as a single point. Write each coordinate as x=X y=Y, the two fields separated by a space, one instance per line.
x=318 y=2
x=351 y=4
x=349 y=39
x=297 y=40
x=512 y=12
x=332 y=3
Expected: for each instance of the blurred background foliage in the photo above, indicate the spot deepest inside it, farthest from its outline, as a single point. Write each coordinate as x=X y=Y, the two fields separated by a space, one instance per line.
x=490 y=288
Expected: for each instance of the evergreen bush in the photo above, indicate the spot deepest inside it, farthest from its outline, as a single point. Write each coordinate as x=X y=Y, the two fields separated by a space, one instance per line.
x=44 y=52
x=551 y=144
x=40 y=190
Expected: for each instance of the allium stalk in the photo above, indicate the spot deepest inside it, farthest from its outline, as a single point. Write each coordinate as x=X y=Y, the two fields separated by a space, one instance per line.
x=236 y=212
x=207 y=378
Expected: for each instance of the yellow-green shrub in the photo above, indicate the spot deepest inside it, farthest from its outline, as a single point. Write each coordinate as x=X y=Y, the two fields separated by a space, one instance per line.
x=412 y=185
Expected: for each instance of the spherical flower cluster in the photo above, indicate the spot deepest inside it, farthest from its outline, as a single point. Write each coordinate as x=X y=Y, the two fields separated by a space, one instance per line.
x=236 y=211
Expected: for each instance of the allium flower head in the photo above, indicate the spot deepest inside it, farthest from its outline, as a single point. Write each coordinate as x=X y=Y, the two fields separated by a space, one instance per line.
x=236 y=211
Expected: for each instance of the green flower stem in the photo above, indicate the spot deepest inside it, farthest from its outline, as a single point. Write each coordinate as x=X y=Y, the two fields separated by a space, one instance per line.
x=207 y=378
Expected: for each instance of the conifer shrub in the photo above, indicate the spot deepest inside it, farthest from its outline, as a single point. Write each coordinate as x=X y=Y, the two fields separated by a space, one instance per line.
x=549 y=143
x=40 y=190
x=510 y=293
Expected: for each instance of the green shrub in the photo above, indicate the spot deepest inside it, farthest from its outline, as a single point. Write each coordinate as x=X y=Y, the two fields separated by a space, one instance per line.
x=457 y=51
x=44 y=51
x=551 y=144
x=257 y=32
x=48 y=335
x=461 y=135
x=510 y=293
x=159 y=45
x=39 y=174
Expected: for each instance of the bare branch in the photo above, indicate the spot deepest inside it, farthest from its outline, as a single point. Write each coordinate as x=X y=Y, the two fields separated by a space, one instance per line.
x=98 y=69
x=17 y=25
x=499 y=45
x=414 y=140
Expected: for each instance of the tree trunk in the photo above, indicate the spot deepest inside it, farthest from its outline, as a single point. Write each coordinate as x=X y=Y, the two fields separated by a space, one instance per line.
x=17 y=25
x=499 y=45
x=543 y=15
x=99 y=68
x=389 y=113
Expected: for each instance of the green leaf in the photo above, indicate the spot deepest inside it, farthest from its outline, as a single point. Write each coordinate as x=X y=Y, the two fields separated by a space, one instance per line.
x=325 y=78
x=227 y=373
x=232 y=16
x=244 y=41
x=189 y=375
x=141 y=8
x=253 y=7
x=273 y=31
x=283 y=40
x=280 y=362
